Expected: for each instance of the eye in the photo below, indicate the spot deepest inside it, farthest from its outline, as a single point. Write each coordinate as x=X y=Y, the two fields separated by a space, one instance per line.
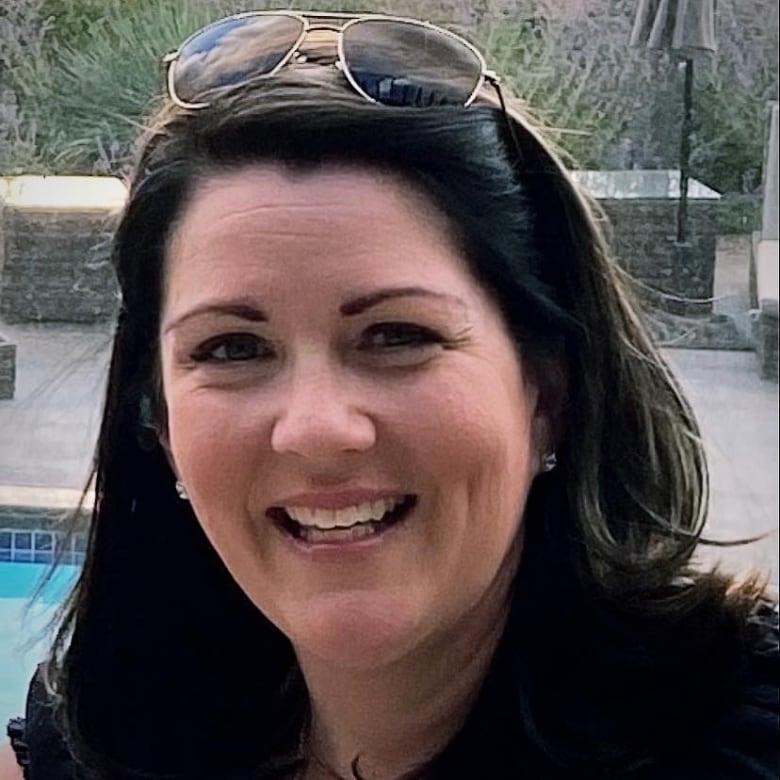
x=398 y=335
x=233 y=347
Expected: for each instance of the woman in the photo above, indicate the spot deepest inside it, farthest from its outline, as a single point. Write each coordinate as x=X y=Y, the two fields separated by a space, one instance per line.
x=391 y=481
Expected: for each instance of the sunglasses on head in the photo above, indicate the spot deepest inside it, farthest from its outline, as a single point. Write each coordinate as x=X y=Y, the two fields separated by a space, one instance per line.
x=388 y=60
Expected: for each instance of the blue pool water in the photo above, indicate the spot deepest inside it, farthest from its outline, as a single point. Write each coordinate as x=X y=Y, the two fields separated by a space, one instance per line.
x=21 y=644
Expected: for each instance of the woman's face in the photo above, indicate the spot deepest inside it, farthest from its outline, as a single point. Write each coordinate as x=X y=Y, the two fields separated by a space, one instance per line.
x=345 y=408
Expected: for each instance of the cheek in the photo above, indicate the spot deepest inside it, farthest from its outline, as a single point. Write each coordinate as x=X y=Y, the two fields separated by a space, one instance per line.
x=483 y=409
x=472 y=446
x=473 y=438
x=214 y=443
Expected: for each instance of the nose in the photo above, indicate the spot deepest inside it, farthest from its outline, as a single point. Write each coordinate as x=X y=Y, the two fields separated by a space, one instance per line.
x=322 y=414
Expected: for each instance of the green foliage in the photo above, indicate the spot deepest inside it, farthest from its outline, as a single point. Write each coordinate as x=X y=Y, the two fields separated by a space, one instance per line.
x=86 y=89
x=559 y=85
x=730 y=132
x=94 y=83
x=21 y=33
x=732 y=94
x=79 y=75
x=73 y=22
x=739 y=214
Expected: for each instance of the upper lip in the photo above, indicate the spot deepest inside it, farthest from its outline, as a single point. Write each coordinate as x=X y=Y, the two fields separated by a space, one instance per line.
x=337 y=499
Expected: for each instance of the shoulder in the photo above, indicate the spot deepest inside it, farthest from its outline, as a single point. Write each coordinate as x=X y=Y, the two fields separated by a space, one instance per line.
x=9 y=767
x=748 y=735
x=40 y=745
x=14 y=754
x=743 y=742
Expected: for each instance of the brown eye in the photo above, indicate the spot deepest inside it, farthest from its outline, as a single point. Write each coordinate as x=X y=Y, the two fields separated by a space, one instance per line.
x=233 y=347
x=398 y=335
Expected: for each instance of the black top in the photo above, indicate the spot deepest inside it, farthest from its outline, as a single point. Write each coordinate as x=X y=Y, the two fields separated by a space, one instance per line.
x=742 y=744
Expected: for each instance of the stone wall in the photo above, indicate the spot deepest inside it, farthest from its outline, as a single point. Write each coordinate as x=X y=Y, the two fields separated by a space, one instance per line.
x=56 y=266
x=644 y=239
x=7 y=369
x=766 y=335
x=56 y=260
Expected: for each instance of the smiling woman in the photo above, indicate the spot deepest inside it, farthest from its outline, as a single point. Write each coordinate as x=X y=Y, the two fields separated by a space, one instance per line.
x=343 y=401
x=415 y=494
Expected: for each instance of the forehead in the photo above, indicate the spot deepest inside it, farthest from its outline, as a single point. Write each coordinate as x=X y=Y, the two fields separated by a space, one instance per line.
x=269 y=219
x=345 y=191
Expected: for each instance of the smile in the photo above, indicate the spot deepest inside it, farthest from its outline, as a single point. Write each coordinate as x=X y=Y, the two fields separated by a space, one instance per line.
x=318 y=525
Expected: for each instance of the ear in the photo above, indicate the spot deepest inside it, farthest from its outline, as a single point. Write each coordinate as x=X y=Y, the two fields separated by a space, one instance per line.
x=153 y=425
x=552 y=384
x=165 y=443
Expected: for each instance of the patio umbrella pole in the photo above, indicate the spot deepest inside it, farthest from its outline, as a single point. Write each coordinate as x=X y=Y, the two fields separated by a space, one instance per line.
x=685 y=154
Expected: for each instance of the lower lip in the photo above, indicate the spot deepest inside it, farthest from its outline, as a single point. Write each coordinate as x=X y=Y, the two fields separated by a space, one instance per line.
x=340 y=548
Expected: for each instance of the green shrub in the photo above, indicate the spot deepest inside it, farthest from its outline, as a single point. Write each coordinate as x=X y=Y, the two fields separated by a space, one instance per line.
x=739 y=214
x=730 y=132
x=78 y=75
x=576 y=71
x=73 y=23
x=98 y=72
x=92 y=96
x=733 y=90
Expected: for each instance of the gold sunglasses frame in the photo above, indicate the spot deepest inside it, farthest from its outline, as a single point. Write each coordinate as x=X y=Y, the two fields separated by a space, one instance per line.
x=318 y=20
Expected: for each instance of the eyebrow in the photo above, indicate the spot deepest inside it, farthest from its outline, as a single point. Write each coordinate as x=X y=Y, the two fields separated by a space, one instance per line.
x=242 y=310
x=364 y=302
x=248 y=311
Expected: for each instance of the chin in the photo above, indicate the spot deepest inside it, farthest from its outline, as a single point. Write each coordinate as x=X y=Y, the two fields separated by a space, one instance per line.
x=355 y=630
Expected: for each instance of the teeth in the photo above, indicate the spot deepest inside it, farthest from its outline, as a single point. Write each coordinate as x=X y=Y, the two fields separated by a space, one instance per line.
x=315 y=535
x=328 y=519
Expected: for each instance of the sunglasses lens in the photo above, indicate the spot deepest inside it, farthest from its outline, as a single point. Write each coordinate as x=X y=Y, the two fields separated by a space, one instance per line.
x=231 y=52
x=403 y=64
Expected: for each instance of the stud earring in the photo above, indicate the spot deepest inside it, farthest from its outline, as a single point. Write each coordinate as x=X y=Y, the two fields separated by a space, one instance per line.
x=549 y=462
x=181 y=491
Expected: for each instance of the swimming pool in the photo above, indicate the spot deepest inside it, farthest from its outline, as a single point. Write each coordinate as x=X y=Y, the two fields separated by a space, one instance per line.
x=21 y=646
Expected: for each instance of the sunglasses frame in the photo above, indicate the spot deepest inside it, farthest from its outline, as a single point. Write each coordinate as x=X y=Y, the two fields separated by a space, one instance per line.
x=340 y=22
